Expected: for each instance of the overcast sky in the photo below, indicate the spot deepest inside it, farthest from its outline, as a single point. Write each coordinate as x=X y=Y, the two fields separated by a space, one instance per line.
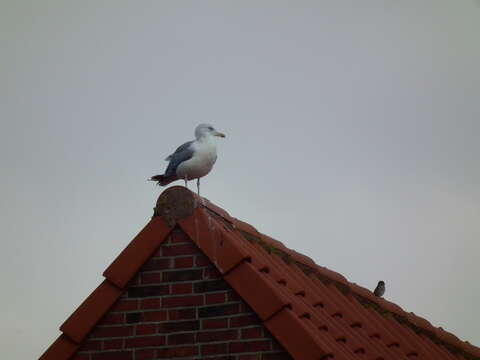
x=352 y=136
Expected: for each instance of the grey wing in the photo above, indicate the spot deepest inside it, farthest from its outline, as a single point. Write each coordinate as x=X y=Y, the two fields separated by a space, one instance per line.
x=180 y=149
x=183 y=153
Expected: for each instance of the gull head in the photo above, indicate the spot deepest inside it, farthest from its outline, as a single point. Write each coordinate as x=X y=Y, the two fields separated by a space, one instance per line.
x=205 y=130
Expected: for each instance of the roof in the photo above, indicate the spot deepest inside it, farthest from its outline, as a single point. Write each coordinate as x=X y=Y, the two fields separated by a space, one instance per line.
x=314 y=312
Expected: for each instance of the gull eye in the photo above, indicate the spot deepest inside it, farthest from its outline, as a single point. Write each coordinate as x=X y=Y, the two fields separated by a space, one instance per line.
x=210 y=128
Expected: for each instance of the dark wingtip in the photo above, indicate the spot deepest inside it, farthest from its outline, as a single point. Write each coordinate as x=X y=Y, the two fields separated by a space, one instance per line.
x=163 y=180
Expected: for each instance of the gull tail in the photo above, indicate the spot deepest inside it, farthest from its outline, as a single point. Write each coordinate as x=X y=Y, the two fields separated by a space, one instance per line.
x=163 y=180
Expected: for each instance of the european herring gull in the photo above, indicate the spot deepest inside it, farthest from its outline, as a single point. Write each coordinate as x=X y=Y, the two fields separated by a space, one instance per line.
x=192 y=160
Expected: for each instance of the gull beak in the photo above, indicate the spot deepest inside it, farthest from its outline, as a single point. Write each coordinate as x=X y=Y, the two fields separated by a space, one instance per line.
x=219 y=134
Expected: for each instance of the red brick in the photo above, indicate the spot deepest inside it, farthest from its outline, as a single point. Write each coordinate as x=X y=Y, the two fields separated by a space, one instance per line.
x=145 y=354
x=185 y=288
x=214 y=349
x=202 y=260
x=145 y=341
x=215 y=298
x=250 y=333
x=113 y=319
x=125 y=305
x=182 y=338
x=179 y=275
x=211 y=273
x=152 y=290
x=244 y=320
x=153 y=303
x=178 y=326
x=112 y=344
x=209 y=286
x=155 y=316
x=251 y=357
x=134 y=317
x=183 y=262
x=218 y=310
x=245 y=308
x=182 y=351
x=150 y=278
x=276 y=356
x=91 y=345
x=182 y=314
x=250 y=346
x=157 y=264
x=221 y=335
x=114 y=355
x=146 y=329
x=177 y=301
x=112 y=331
x=215 y=324
x=175 y=250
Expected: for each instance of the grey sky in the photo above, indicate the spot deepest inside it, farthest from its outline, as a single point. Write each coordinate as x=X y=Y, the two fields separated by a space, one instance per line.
x=352 y=136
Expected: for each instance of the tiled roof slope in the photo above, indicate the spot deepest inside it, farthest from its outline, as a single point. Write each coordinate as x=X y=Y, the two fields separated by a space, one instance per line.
x=315 y=313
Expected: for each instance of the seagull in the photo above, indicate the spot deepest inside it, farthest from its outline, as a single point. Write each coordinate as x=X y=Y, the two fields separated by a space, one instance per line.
x=380 y=289
x=192 y=160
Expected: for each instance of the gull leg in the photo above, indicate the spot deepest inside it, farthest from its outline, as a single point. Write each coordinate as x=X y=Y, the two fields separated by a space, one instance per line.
x=202 y=200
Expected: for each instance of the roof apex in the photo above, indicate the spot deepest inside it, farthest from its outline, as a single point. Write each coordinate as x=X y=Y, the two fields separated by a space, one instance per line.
x=239 y=251
x=176 y=203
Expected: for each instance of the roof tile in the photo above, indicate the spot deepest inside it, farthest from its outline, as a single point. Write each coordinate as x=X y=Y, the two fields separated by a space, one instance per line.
x=391 y=307
x=90 y=311
x=62 y=348
x=295 y=337
x=137 y=252
x=364 y=324
x=470 y=349
x=332 y=275
x=363 y=292
x=446 y=336
x=419 y=322
x=275 y=243
x=245 y=227
x=303 y=258
x=213 y=240
x=217 y=210
x=355 y=326
x=256 y=290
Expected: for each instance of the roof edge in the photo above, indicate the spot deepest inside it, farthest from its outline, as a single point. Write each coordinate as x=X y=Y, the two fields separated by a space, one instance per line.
x=62 y=348
x=137 y=252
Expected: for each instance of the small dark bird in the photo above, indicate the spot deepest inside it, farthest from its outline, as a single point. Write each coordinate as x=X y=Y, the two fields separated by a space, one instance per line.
x=380 y=289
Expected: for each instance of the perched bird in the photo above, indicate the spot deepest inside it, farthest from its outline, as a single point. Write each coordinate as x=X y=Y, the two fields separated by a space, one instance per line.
x=380 y=289
x=192 y=160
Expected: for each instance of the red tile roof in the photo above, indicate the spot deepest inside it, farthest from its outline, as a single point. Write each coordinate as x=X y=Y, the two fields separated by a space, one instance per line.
x=314 y=312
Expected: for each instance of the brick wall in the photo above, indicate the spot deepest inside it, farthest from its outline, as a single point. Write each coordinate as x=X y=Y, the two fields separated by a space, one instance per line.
x=179 y=307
